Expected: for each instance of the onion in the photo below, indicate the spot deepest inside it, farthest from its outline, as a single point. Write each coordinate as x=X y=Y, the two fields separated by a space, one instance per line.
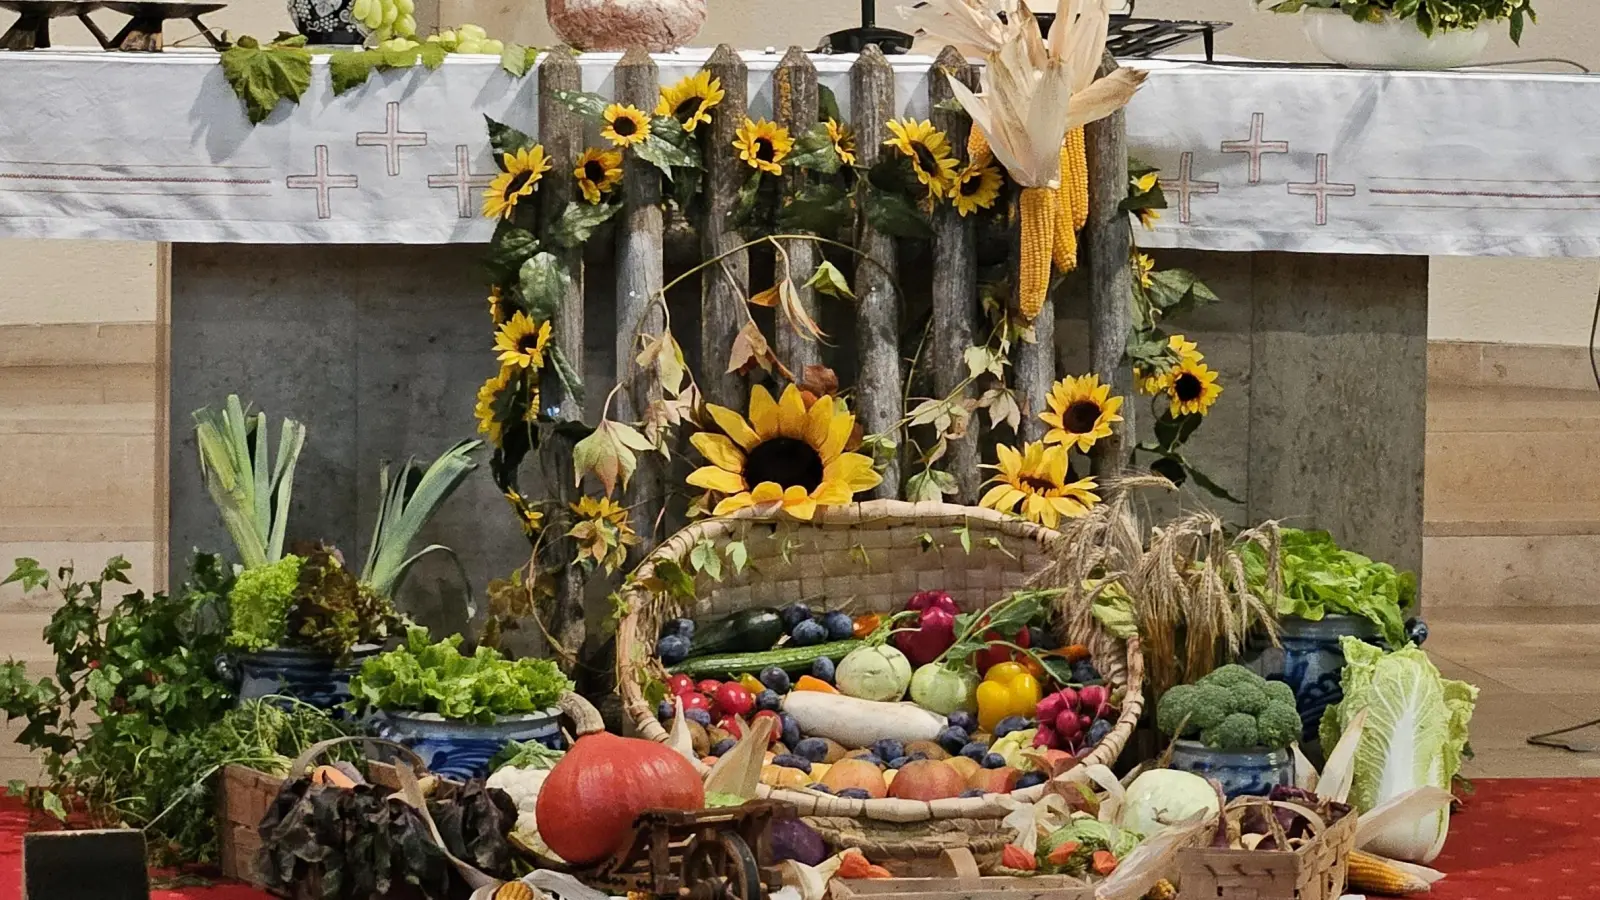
x=602 y=784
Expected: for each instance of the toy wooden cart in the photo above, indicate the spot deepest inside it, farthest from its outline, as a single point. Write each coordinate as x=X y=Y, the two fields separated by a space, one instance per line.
x=961 y=880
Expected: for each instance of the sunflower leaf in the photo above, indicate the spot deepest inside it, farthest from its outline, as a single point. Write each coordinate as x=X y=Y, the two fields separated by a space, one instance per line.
x=818 y=208
x=894 y=215
x=671 y=133
x=571 y=381
x=1174 y=291
x=1210 y=487
x=744 y=205
x=1173 y=432
x=350 y=69
x=508 y=249
x=663 y=154
x=505 y=139
x=827 y=105
x=815 y=152
x=264 y=75
x=578 y=222
x=827 y=279
x=544 y=282
x=583 y=103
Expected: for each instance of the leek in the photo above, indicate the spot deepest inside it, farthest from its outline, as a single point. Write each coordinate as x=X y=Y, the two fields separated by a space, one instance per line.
x=251 y=493
x=409 y=501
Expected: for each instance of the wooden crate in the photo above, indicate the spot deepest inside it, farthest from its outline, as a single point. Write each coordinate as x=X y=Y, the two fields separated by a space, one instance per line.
x=961 y=881
x=1314 y=872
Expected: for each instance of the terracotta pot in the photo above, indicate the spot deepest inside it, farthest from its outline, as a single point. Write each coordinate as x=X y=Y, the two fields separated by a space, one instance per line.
x=656 y=26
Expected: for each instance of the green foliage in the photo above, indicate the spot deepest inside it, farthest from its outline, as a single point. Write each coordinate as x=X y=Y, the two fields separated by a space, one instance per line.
x=1231 y=709
x=436 y=678
x=525 y=755
x=263 y=75
x=1430 y=15
x=409 y=501
x=258 y=604
x=1318 y=578
x=251 y=491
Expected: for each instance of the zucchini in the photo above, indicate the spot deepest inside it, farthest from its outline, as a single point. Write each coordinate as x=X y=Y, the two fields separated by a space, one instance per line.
x=789 y=659
x=746 y=631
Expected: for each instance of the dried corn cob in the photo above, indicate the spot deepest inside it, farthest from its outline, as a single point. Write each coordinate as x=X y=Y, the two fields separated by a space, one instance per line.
x=1038 y=214
x=978 y=152
x=1064 y=243
x=1374 y=874
x=1079 y=151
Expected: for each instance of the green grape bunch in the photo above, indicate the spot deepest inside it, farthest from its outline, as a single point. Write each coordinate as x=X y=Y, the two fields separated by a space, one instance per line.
x=467 y=39
x=387 y=19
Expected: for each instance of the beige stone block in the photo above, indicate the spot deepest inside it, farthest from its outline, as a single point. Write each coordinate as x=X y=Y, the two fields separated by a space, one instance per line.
x=1454 y=362
x=78 y=344
x=1519 y=466
x=97 y=479
x=1541 y=571
x=77 y=281
x=29 y=388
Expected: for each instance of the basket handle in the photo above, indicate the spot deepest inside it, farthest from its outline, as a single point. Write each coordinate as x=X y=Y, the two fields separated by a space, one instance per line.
x=302 y=763
x=960 y=865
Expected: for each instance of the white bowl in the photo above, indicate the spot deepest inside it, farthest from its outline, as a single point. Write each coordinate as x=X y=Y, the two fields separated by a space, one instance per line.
x=1390 y=44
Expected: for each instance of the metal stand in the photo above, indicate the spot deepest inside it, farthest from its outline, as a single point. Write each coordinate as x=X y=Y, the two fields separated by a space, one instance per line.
x=854 y=40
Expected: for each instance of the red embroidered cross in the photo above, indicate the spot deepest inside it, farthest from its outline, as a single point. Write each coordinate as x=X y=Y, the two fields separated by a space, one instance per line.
x=391 y=138
x=1255 y=146
x=321 y=182
x=463 y=180
x=1186 y=186
x=1322 y=189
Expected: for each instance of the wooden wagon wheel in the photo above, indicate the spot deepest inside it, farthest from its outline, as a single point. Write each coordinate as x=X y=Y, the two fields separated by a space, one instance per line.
x=720 y=867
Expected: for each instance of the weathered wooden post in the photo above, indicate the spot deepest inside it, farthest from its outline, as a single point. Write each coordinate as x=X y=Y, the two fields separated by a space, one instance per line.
x=726 y=285
x=1109 y=240
x=878 y=306
x=794 y=101
x=955 y=277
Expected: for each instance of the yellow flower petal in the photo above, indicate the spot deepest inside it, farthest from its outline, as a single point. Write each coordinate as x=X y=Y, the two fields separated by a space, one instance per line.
x=833 y=492
x=733 y=425
x=719 y=450
x=714 y=479
x=763 y=413
x=839 y=431
x=819 y=424
x=792 y=414
x=732 y=505
x=854 y=470
x=1010 y=460
x=767 y=492
x=798 y=503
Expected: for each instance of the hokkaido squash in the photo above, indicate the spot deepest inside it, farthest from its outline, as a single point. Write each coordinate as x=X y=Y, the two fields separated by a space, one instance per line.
x=602 y=784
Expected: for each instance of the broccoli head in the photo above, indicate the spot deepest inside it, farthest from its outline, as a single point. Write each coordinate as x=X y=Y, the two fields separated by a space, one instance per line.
x=1279 y=724
x=1281 y=692
x=1205 y=706
x=1247 y=698
x=1230 y=675
x=1237 y=732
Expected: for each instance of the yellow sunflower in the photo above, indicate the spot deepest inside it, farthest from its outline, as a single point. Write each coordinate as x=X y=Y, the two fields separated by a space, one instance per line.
x=521 y=342
x=690 y=101
x=1148 y=217
x=1081 y=412
x=598 y=172
x=844 y=142
x=523 y=169
x=763 y=145
x=497 y=305
x=1142 y=267
x=530 y=518
x=487 y=424
x=602 y=532
x=974 y=188
x=785 y=453
x=1147 y=182
x=929 y=152
x=1036 y=478
x=1185 y=349
x=625 y=125
x=1192 y=388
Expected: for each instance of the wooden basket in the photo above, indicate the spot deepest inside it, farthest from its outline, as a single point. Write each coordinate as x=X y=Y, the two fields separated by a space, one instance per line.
x=1316 y=871
x=956 y=876
x=918 y=849
x=865 y=557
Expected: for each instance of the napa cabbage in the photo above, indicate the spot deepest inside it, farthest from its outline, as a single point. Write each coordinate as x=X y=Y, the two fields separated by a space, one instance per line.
x=1415 y=736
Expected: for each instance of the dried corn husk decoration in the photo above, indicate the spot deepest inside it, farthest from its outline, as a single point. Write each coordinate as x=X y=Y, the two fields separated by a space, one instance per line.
x=1036 y=93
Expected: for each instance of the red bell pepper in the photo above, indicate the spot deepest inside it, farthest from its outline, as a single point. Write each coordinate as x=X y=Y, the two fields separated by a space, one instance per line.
x=997 y=654
x=936 y=627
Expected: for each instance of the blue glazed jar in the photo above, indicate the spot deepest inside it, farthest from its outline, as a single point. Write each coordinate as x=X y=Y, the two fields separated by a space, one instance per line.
x=1311 y=662
x=305 y=675
x=462 y=750
x=1240 y=772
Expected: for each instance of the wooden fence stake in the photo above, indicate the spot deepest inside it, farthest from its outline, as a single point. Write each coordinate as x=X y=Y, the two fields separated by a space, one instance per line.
x=1109 y=237
x=794 y=90
x=878 y=382
x=955 y=278
x=726 y=285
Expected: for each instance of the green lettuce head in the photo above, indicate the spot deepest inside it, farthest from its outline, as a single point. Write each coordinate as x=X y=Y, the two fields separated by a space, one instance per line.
x=1415 y=736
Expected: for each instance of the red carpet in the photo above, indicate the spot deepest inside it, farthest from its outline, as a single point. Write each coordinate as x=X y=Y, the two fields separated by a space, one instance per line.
x=1517 y=839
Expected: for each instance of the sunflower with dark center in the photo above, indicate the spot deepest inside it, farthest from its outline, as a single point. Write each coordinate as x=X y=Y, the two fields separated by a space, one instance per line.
x=523 y=169
x=1193 y=388
x=691 y=100
x=1081 y=412
x=929 y=152
x=522 y=342
x=625 y=125
x=976 y=187
x=1156 y=383
x=1037 y=484
x=844 y=142
x=785 y=454
x=763 y=145
x=598 y=173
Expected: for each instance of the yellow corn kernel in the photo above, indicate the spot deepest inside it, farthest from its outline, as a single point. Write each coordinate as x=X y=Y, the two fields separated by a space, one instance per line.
x=978 y=152
x=1372 y=874
x=1079 y=150
x=1038 y=213
x=1064 y=243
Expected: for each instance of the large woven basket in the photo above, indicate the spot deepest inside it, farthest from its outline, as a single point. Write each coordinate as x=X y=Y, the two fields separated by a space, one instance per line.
x=865 y=557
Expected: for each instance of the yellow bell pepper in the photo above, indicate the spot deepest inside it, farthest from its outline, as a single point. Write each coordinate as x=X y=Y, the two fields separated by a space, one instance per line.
x=1008 y=689
x=751 y=683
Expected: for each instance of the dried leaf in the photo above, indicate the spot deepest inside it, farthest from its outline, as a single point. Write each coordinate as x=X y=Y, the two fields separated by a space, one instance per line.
x=767 y=298
x=827 y=279
x=662 y=354
x=821 y=381
x=795 y=313
x=981 y=360
x=1002 y=406
x=750 y=349
x=608 y=454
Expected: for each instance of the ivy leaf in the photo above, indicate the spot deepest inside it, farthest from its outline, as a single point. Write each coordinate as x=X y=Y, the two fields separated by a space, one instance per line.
x=583 y=103
x=350 y=69
x=827 y=279
x=505 y=139
x=931 y=486
x=432 y=54
x=827 y=105
x=738 y=554
x=29 y=574
x=608 y=454
x=818 y=208
x=705 y=559
x=544 y=282
x=262 y=76
x=578 y=222
x=815 y=152
x=509 y=248
x=894 y=215
x=661 y=153
x=981 y=360
x=663 y=355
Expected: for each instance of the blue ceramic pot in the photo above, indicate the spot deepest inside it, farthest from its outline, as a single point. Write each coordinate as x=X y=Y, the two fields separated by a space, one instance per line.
x=1311 y=662
x=462 y=750
x=305 y=675
x=1240 y=772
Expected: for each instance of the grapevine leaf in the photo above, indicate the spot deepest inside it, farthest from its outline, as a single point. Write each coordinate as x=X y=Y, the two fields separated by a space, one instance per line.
x=262 y=76
x=663 y=354
x=982 y=360
x=827 y=279
x=1003 y=408
x=432 y=54
x=505 y=139
x=349 y=69
x=578 y=222
x=705 y=559
x=544 y=283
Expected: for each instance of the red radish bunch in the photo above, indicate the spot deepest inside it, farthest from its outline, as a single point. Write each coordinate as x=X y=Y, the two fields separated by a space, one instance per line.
x=1067 y=717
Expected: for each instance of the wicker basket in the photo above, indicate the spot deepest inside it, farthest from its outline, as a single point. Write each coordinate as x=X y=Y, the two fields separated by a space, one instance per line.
x=866 y=557
x=1316 y=871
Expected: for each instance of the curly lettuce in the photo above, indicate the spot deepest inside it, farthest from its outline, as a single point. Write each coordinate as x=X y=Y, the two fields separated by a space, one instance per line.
x=428 y=677
x=258 y=604
x=1319 y=577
